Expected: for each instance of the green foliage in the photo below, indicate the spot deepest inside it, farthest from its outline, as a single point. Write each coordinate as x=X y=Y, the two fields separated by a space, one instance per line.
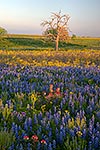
x=73 y=36
x=74 y=143
x=6 y=139
x=2 y=31
x=51 y=31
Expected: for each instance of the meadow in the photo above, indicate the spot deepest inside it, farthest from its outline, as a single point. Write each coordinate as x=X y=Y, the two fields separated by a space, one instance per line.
x=49 y=100
x=37 y=42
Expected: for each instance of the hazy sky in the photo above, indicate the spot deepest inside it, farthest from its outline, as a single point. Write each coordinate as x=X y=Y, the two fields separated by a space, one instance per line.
x=25 y=16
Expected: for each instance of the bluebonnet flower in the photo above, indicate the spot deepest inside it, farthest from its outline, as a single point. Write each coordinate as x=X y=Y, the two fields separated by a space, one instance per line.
x=21 y=147
x=25 y=125
x=54 y=144
x=98 y=114
x=54 y=107
x=40 y=116
x=92 y=138
x=38 y=146
x=98 y=134
x=47 y=126
x=84 y=133
x=35 y=119
x=11 y=147
x=63 y=121
x=61 y=105
x=96 y=143
x=97 y=125
x=56 y=120
x=50 y=134
x=61 y=138
x=50 y=146
x=29 y=146
x=57 y=136
x=29 y=121
x=72 y=133
x=90 y=147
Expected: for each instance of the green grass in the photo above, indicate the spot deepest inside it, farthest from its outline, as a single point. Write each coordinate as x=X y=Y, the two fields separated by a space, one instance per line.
x=91 y=43
x=14 y=41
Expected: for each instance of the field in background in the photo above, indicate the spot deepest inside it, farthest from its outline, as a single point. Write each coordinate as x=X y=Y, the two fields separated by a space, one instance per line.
x=37 y=42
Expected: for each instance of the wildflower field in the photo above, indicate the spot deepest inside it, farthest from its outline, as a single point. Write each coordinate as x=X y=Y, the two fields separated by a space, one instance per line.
x=50 y=100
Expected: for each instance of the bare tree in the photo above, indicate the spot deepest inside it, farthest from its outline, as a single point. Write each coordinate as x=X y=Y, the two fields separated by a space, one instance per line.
x=57 y=28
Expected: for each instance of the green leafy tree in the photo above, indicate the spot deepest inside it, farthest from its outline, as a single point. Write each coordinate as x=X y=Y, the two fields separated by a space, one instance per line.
x=2 y=31
x=73 y=36
x=57 y=28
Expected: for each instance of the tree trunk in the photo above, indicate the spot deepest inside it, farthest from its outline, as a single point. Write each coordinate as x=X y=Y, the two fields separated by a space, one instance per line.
x=57 y=42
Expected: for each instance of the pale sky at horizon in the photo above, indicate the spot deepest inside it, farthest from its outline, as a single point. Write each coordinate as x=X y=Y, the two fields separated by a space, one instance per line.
x=25 y=16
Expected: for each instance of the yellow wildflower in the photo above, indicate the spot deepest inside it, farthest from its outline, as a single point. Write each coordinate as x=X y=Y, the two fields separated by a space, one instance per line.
x=78 y=121
x=79 y=133
x=71 y=123
x=66 y=111
x=43 y=108
x=59 y=112
x=0 y=102
x=71 y=92
x=50 y=102
x=83 y=123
